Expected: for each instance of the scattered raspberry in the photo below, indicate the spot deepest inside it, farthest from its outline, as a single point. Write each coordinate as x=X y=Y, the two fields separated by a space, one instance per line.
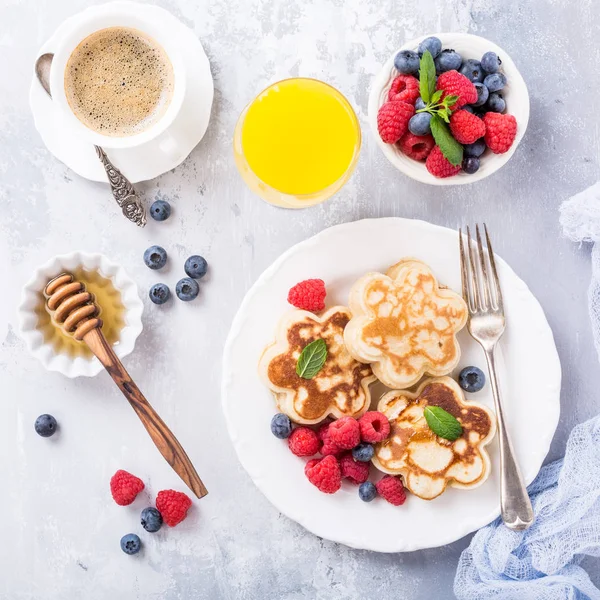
x=324 y=474
x=454 y=83
x=374 y=427
x=308 y=295
x=404 y=88
x=345 y=433
x=500 y=131
x=124 y=487
x=172 y=506
x=416 y=147
x=466 y=127
x=328 y=446
x=392 y=490
x=392 y=120
x=439 y=166
x=356 y=471
x=303 y=442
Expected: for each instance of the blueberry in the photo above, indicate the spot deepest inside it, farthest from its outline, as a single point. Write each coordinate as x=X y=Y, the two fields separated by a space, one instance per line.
x=471 y=379
x=367 y=491
x=187 y=289
x=407 y=62
x=131 y=543
x=469 y=109
x=482 y=94
x=472 y=70
x=155 y=257
x=160 y=210
x=470 y=165
x=196 y=266
x=151 y=519
x=476 y=149
x=433 y=44
x=45 y=425
x=363 y=452
x=281 y=426
x=159 y=293
x=495 y=81
x=419 y=124
x=448 y=60
x=496 y=103
x=490 y=62
x=419 y=104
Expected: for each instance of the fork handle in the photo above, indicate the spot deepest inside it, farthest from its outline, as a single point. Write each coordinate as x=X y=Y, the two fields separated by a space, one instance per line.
x=516 y=509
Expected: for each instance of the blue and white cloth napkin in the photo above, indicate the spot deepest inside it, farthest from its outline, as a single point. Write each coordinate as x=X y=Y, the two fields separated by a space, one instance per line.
x=543 y=563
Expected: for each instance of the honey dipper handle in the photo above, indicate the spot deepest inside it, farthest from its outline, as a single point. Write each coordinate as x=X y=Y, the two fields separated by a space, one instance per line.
x=161 y=435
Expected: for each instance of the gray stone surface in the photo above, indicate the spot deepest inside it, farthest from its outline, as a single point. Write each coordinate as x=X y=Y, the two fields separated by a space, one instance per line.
x=60 y=530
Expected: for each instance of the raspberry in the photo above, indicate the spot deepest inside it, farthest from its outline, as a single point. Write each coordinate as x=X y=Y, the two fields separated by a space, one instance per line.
x=324 y=474
x=392 y=120
x=172 y=506
x=466 y=127
x=345 y=433
x=404 y=88
x=355 y=471
x=392 y=490
x=416 y=147
x=303 y=442
x=328 y=446
x=454 y=83
x=439 y=166
x=500 y=131
x=374 y=427
x=308 y=295
x=124 y=487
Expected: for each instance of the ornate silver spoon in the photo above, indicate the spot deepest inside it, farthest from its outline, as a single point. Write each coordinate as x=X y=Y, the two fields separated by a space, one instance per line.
x=122 y=189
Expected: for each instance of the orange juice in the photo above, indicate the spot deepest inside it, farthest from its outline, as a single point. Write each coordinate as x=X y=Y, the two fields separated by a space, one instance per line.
x=297 y=143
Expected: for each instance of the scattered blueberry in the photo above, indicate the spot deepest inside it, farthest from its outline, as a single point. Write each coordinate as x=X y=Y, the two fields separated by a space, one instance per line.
x=131 y=543
x=420 y=124
x=363 y=452
x=420 y=103
x=281 y=426
x=470 y=165
x=160 y=210
x=495 y=81
x=472 y=70
x=155 y=257
x=490 y=62
x=448 y=60
x=469 y=108
x=496 y=102
x=482 y=94
x=433 y=44
x=159 y=293
x=45 y=425
x=476 y=149
x=367 y=491
x=196 y=266
x=407 y=62
x=471 y=379
x=151 y=519
x=187 y=289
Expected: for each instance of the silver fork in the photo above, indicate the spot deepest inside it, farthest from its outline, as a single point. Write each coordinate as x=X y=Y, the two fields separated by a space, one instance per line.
x=482 y=293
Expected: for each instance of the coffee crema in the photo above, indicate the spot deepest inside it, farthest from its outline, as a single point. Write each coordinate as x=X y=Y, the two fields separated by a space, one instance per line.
x=119 y=81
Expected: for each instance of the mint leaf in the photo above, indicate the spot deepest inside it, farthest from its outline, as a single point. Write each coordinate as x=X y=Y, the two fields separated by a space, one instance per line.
x=311 y=359
x=450 y=148
x=442 y=423
x=436 y=97
x=450 y=100
x=427 y=77
x=444 y=113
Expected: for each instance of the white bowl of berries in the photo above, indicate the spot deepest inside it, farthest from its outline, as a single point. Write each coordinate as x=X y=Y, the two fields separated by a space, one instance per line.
x=449 y=108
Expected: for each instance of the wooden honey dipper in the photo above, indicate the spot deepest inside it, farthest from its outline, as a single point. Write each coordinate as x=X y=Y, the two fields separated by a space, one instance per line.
x=73 y=308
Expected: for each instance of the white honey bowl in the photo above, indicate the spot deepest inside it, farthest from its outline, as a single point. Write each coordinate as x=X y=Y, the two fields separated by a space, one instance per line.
x=30 y=300
x=515 y=94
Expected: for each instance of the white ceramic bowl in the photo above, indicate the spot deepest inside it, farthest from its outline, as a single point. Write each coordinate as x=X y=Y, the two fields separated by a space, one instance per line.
x=515 y=94
x=79 y=366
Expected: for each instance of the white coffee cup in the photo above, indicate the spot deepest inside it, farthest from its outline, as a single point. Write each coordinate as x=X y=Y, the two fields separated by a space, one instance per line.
x=119 y=15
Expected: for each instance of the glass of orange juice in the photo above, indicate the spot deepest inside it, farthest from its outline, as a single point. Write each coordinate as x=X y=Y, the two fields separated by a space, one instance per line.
x=297 y=143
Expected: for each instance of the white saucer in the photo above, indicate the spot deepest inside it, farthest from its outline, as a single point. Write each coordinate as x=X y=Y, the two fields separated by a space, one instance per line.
x=144 y=162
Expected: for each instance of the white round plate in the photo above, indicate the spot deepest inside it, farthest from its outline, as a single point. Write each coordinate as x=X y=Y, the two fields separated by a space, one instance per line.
x=529 y=372
x=145 y=162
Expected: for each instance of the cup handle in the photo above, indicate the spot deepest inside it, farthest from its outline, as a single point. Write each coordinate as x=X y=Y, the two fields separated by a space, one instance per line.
x=168 y=145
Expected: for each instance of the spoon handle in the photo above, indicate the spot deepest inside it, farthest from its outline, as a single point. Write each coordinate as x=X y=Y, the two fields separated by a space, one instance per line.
x=123 y=191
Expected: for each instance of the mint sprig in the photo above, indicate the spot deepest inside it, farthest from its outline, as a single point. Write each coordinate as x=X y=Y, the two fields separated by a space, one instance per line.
x=311 y=359
x=450 y=148
x=442 y=423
